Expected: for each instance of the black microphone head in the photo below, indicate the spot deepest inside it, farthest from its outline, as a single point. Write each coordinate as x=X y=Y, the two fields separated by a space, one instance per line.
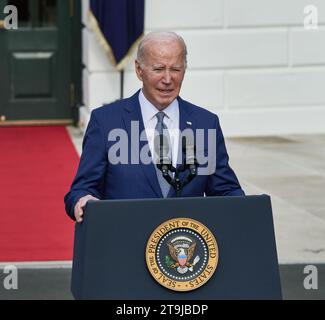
x=184 y=144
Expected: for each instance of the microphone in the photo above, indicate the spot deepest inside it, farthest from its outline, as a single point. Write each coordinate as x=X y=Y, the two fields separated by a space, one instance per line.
x=161 y=147
x=189 y=150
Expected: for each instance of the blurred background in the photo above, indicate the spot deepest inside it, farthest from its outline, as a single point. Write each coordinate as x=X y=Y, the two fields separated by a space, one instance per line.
x=258 y=64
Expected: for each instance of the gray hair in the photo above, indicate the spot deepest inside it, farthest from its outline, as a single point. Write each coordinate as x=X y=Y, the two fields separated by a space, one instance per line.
x=159 y=36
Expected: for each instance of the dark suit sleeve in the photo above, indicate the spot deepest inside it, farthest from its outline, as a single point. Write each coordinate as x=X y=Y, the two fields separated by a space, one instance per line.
x=224 y=181
x=92 y=167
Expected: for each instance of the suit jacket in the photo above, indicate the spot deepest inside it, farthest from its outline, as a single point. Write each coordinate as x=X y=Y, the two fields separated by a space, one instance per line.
x=98 y=177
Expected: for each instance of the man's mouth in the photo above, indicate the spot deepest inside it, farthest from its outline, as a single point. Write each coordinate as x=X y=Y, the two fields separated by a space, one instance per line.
x=165 y=91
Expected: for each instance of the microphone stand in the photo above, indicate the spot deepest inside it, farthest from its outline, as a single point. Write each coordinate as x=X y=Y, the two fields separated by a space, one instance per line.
x=175 y=182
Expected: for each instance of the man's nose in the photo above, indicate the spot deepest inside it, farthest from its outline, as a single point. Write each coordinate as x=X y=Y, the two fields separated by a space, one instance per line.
x=167 y=77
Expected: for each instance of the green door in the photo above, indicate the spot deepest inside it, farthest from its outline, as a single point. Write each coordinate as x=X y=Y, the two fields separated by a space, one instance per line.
x=36 y=69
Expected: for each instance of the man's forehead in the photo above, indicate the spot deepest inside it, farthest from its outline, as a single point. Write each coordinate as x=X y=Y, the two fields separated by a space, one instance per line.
x=161 y=54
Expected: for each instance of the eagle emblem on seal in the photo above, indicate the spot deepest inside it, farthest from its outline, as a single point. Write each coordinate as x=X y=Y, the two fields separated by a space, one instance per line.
x=181 y=250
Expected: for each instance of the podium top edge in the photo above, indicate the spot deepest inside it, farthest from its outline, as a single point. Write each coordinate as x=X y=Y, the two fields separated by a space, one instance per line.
x=250 y=197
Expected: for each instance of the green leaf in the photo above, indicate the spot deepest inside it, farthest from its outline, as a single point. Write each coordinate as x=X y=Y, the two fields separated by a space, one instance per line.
x=168 y=261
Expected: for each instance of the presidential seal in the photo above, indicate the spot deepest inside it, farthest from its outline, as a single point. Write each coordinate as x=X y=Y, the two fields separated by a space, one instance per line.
x=182 y=254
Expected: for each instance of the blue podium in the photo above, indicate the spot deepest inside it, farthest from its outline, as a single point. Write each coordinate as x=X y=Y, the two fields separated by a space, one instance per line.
x=110 y=245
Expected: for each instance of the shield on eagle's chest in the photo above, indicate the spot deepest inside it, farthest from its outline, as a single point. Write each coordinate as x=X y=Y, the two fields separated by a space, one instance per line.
x=182 y=259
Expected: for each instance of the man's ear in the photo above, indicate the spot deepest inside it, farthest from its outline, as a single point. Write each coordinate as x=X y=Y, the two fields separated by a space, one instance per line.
x=138 y=70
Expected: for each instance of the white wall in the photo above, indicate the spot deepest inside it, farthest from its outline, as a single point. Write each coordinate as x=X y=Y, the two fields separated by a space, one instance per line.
x=250 y=61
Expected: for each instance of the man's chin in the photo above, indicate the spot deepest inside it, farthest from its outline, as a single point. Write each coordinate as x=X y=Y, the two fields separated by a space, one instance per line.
x=166 y=99
x=164 y=103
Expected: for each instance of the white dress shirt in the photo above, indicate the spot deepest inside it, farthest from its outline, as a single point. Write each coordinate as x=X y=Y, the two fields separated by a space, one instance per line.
x=171 y=120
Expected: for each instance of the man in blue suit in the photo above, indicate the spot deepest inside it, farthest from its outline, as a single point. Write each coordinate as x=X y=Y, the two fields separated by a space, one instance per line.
x=160 y=65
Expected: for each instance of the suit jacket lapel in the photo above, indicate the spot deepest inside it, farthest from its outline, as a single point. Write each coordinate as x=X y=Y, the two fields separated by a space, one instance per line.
x=133 y=113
